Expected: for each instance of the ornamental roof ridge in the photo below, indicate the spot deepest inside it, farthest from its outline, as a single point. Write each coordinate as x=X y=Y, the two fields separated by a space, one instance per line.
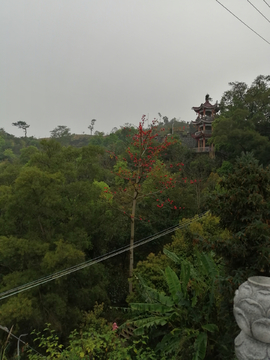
x=206 y=106
x=205 y=119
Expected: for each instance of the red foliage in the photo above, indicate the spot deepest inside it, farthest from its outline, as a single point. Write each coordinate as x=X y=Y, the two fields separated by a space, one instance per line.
x=145 y=149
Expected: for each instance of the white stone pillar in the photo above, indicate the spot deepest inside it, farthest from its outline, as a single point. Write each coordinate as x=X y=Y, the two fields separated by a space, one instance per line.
x=252 y=313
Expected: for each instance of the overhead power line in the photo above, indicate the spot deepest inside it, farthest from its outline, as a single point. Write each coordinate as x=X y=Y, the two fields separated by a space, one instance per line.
x=266 y=3
x=19 y=340
x=243 y=22
x=99 y=259
x=258 y=10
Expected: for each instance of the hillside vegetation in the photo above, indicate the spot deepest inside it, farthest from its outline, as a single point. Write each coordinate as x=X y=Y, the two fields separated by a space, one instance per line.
x=70 y=199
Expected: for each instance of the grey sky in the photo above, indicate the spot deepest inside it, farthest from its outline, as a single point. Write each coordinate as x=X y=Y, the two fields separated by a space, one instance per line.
x=65 y=62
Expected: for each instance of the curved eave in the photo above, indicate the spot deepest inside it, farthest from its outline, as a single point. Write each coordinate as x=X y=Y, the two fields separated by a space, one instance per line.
x=206 y=106
x=201 y=135
x=202 y=121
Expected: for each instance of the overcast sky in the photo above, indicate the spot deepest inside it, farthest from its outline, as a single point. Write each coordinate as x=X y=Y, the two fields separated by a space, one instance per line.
x=65 y=62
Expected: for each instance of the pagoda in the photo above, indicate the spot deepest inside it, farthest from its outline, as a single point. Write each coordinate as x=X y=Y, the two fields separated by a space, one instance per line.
x=205 y=116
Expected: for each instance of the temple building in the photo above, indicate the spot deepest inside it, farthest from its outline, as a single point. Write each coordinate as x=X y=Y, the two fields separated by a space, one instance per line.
x=205 y=116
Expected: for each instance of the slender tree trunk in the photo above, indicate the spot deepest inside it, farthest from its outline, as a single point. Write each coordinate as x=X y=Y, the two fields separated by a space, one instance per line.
x=133 y=213
x=132 y=235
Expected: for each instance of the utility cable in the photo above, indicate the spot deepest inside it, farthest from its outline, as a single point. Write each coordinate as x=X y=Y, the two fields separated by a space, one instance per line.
x=87 y=263
x=14 y=336
x=243 y=23
x=96 y=260
x=266 y=3
x=258 y=10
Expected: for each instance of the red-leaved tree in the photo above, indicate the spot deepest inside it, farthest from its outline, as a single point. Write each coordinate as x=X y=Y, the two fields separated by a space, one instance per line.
x=143 y=174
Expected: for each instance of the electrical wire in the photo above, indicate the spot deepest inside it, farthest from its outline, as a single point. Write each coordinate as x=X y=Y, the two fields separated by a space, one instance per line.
x=258 y=10
x=67 y=271
x=14 y=336
x=266 y=3
x=99 y=259
x=243 y=22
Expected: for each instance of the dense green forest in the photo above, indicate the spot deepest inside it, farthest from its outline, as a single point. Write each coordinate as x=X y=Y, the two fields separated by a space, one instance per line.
x=71 y=199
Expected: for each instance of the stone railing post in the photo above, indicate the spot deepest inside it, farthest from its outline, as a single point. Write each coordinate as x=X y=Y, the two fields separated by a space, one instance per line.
x=252 y=313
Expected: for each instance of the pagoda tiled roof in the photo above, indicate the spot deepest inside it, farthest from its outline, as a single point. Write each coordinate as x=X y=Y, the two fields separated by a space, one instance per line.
x=206 y=106
x=203 y=119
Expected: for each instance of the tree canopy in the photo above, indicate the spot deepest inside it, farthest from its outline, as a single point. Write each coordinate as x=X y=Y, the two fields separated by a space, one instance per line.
x=22 y=125
x=244 y=124
x=84 y=199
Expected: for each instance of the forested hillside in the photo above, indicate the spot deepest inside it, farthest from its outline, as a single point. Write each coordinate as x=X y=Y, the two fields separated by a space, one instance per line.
x=71 y=199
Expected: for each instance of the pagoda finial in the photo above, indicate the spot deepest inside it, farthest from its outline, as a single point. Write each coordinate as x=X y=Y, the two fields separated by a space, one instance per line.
x=207 y=98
